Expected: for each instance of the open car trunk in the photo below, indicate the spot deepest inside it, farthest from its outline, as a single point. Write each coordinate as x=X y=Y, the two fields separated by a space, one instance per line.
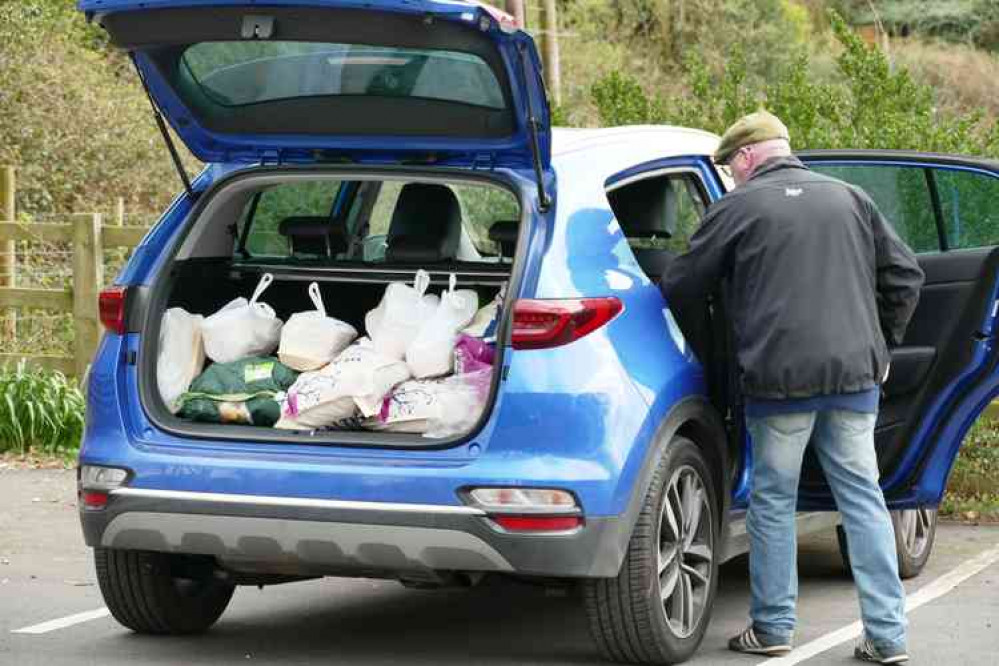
x=352 y=234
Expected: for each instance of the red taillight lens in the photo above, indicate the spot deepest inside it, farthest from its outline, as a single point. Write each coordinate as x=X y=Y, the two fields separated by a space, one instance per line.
x=93 y=499
x=540 y=324
x=112 y=306
x=538 y=523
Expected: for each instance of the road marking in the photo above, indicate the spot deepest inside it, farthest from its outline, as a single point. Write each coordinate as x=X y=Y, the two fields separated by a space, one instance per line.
x=923 y=595
x=63 y=622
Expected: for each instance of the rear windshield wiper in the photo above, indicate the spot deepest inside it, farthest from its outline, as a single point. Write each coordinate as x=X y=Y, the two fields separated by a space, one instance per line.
x=534 y=125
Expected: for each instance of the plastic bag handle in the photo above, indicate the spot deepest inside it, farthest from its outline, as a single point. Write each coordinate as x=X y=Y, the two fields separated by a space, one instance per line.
x=265 y=282
x=317 y=298
x=421 y=282
x=452 y=283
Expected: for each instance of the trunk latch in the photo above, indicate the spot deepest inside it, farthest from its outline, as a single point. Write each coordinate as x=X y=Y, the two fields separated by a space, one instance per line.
x=257 y=27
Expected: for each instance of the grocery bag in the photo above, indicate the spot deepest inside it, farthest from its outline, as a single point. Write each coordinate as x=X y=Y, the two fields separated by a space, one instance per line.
x=181 y=355
x=431 y=353
x=247 y=391
x=435 y=408
x=396 y=320
x=472 y=355
x=310 y=340
x=242 y=328
x=355 y=383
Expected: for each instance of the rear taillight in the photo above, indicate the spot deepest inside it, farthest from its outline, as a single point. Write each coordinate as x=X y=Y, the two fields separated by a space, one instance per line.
x=539 y=524
x=540 y=324
x=528 y=510
x=95 y=484
x=111 y=303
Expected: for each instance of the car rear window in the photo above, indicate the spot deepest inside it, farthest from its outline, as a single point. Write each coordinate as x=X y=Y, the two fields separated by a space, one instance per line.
x=234 y=74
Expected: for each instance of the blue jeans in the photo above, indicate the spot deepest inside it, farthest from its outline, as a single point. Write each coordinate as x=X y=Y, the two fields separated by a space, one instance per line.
x=844 y=443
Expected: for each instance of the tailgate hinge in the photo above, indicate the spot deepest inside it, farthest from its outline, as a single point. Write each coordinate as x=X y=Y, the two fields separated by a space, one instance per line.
x=484 y=161
x=270 y=157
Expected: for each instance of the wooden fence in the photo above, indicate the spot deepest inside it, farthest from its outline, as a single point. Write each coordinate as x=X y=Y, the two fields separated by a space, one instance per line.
x=88 y=236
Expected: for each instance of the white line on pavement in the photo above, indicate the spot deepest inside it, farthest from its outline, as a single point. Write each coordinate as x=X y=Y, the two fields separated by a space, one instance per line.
x=63 y=622
x=923 y=595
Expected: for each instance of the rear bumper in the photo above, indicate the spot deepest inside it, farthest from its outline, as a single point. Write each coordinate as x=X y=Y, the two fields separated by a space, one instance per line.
x=329 y=537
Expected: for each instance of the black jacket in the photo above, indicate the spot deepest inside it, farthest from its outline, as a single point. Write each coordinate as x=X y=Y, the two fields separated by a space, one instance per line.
x=816 y=281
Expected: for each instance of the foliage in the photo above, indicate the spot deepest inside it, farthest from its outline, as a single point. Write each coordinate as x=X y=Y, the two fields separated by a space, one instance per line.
x=39 y=409
x=974 y=21
x=73 y=116
x=973 y=486
x=872 y=105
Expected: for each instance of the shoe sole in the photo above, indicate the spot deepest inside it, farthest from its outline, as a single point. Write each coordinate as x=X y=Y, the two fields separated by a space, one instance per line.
x=772 y=651
x=897 y=659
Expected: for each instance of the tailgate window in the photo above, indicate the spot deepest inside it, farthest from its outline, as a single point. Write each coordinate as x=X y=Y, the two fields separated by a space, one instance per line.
x=233 y=74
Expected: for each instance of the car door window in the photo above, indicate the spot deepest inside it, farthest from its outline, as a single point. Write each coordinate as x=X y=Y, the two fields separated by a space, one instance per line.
x=687 y=206
x=902 y=194
x=260 y=228
x=968 y=208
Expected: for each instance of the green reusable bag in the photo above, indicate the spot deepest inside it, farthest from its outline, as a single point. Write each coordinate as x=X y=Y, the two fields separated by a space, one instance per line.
x=242 y=391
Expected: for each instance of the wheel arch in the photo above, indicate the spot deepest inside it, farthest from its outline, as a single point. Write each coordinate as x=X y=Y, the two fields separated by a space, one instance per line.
x=697 y=420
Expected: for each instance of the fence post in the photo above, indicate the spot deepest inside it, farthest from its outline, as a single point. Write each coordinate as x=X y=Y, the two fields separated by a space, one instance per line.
x=8 y=257
x=549 y=51
x=88 y=276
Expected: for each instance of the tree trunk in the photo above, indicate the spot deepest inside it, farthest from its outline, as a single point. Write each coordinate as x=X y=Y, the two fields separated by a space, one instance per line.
x=553 y=75
x=516 y=8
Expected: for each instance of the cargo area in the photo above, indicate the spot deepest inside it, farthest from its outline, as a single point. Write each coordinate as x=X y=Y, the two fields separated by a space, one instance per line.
x=412 y=274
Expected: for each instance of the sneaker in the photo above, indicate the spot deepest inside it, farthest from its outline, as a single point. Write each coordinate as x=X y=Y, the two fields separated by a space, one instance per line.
x=866 y=651
x=751 y=642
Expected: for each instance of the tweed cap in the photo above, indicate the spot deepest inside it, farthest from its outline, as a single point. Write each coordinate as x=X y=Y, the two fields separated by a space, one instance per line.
x=750 y=129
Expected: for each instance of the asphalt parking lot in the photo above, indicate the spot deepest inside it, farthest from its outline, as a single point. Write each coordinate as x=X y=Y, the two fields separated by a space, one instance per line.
x=47 y=578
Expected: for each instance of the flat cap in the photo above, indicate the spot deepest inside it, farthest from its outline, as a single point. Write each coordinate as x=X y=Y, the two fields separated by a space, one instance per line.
x=750 y=129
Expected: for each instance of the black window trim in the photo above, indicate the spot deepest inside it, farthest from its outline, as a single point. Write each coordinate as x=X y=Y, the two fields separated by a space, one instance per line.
x=931 y=185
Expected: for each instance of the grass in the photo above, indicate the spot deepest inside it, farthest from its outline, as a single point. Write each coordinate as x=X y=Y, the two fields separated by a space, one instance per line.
x=973 y=487
x=41 y=411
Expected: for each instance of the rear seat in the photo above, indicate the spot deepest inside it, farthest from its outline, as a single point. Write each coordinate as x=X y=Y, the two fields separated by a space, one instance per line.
x=312 y=235
x=504 y=233
x=648 y=209
x=426 y=225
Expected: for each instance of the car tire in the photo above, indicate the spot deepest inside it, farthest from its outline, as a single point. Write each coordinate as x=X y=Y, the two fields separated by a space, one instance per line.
x=915 y=531
x=161 y=593
x=657 y=608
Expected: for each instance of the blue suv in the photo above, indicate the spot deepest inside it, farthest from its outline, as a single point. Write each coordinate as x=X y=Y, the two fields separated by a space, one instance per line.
x=352 y=143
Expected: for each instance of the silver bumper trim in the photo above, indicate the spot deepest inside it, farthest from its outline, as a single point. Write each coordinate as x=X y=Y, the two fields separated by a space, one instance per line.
x=300 y=502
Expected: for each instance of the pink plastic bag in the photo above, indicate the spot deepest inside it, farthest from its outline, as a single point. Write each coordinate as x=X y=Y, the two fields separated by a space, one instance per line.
x=472 y=355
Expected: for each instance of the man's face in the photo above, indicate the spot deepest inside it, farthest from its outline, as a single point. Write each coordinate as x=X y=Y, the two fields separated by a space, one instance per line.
x=741 y=165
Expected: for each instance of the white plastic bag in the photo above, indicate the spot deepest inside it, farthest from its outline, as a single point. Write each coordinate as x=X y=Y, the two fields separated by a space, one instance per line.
x=181 y=355
x=242 y=328
x=483 y=324
x=431 y=353
x=310 y=340
x=461 y=400
x=396 y=320
x=358 y=380
x=435 y=408
x=408 y=408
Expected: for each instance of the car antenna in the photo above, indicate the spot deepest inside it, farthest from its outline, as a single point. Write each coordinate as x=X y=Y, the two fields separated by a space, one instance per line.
x=163 y=131
x=532 y=122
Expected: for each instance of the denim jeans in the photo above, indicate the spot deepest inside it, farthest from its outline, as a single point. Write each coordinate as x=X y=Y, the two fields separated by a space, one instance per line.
x=844 y=444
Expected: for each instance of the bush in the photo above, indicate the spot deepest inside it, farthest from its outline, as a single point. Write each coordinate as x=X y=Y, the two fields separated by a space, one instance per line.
x=973 y=486
x=40 y=410
x=872 y=105
x=73 y=116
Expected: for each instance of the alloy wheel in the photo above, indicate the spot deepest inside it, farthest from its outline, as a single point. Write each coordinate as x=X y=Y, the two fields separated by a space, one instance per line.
x=685 y=551
x=915 y=533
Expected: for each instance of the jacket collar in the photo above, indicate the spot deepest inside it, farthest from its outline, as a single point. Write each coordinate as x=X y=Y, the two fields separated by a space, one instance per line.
x=776 y=164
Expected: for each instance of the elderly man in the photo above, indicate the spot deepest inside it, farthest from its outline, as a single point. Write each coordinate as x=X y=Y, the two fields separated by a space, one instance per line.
x=818 y=284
